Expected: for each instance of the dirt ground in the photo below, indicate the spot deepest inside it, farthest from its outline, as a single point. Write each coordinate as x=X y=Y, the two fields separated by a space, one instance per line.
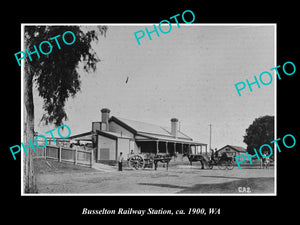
x=59 y=178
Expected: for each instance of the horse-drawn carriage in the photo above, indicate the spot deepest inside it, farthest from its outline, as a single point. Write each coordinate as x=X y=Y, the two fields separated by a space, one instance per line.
x=151 y=160
x=148 y=160
x=223 y=162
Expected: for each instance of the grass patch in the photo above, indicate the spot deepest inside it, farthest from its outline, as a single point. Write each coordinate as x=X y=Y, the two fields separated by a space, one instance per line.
x=51 y=166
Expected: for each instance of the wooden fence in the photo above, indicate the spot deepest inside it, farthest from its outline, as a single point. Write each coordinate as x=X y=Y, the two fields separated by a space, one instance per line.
x=66 y=155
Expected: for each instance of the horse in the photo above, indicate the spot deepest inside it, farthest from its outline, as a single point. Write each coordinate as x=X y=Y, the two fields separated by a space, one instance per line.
x=194 y=158
x=165 y=158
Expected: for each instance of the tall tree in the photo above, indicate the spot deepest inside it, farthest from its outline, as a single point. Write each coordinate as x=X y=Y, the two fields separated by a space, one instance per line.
x=260 y=132
x=55 y=77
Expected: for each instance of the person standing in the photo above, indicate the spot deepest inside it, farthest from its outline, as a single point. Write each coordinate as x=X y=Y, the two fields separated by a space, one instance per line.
x=120 y=161
x=212 y=155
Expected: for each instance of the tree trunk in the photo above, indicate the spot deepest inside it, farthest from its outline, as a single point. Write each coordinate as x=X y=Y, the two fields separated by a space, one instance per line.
x=29 y=180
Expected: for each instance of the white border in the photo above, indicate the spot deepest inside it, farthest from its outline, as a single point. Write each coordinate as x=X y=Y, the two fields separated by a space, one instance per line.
x=22 y=111
x=275 y=110
x=145 y=24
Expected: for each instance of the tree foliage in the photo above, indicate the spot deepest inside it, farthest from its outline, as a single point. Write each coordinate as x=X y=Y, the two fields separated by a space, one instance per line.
x=55 y=75
x=260 y=132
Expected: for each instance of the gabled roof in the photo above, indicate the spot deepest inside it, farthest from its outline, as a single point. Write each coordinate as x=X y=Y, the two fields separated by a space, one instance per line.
x=236 y=148
x=113 y=135
x=87 y=136
x=138 y=127
x=83 y=136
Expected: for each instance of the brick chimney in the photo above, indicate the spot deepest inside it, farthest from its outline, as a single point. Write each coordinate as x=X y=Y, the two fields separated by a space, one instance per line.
x=104 y=119
x=174 y=127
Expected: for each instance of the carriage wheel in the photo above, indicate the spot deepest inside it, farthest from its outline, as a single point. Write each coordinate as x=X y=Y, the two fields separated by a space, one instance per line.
x=222 y=165
x=136 y=162
x=229 y=165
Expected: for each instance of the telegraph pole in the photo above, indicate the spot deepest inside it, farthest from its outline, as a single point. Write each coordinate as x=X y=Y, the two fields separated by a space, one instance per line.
x=209 y=137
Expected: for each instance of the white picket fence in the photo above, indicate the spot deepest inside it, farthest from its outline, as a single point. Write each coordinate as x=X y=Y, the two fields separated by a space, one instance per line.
x=66 y=155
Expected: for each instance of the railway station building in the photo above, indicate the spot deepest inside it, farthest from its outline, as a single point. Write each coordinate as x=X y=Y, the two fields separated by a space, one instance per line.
x=113 y=135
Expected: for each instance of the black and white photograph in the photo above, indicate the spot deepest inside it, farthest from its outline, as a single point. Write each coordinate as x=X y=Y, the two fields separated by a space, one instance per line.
x=147 y=113
x=163 y=116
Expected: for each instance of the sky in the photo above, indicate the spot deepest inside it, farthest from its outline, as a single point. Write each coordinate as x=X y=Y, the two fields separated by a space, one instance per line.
x=188 y=73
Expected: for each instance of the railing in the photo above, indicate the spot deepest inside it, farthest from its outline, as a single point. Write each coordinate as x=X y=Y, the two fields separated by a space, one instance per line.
x=66 y=155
